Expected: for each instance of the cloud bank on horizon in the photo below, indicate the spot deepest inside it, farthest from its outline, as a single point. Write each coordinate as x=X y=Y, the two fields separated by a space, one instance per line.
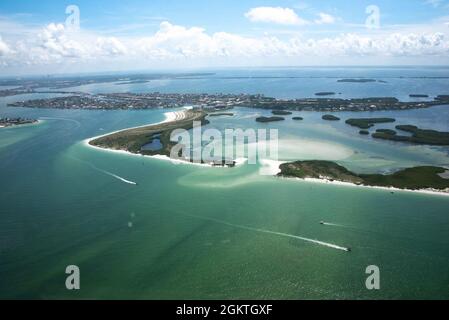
x=268 y=36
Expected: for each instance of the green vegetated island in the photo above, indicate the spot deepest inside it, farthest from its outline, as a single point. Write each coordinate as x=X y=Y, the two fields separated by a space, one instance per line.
x=10 y=122
x=366 y=123
x=221 y=114
x=281 y=112
x=136 y=140
x=330 y=117
x=417 y=135
x=153 y=139
x=269 y=119
x=417 y=178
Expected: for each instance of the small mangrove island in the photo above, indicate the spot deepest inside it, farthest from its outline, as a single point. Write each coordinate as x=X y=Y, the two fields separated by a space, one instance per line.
x=330 y=117
x=221 y=114
x=419 y=136
x=281 y=112
x=416 y=178
x=366 y=123
x=269 y=119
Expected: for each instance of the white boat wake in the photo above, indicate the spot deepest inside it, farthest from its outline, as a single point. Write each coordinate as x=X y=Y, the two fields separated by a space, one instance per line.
x=118 y=177
x=332 y=224
x=321 y=243
x=106 y=172
x=61 y=119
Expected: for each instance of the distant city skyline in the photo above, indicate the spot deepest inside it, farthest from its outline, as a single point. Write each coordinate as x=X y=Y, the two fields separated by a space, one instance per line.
x=100 y=36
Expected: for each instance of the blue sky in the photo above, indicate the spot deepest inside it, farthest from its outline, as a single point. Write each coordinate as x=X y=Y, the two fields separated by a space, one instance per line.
x=213 y=15
x=196 y=33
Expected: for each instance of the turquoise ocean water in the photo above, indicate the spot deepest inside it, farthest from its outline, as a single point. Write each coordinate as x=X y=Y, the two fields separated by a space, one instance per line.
x=190 y=232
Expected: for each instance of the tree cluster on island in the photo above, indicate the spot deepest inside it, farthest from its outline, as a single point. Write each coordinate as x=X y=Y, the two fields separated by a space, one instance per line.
x=425 y=177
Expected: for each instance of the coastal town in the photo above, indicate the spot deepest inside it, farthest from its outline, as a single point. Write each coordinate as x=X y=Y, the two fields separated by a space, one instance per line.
x=125 y=101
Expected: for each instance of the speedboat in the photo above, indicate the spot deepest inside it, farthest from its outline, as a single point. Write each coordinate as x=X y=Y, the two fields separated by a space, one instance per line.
x=321 y=222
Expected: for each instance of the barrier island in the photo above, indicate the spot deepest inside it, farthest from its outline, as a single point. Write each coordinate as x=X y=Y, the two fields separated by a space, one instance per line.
x=416 y=178
x=133 y=140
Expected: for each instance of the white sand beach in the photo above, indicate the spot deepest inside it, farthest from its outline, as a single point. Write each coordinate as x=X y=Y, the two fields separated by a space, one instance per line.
x=268 y=167
x=390 y=189
x=169 y=117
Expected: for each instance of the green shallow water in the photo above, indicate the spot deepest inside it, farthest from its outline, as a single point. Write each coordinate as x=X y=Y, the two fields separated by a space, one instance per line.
x=190 y=232
x=59 y=207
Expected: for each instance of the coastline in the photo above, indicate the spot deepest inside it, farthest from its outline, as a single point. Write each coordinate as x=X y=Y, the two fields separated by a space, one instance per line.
x=268 y=167
x=169 y=117
x=390 y=189
x=35 y=123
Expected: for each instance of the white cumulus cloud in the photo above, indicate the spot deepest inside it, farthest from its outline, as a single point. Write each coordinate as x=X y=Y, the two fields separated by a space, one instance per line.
x=279 y=15
x=55 y=40
x=110 y=46
x=4 y=48
x=325 y=18
x=177 y=45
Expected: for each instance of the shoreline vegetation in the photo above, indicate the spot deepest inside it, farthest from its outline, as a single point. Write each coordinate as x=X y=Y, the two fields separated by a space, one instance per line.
x=134 y=101
x=425 y=178
x=12 y=122
x=330 y=117
x=135 y=140
x=132 y=141
x=366 y=123
x=269 y=119
x=281 y=113
x=418 y=136
x=220 y=114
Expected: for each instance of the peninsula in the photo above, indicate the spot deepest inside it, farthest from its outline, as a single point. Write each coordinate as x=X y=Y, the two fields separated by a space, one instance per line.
x=133 y=140
x=154 y=139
